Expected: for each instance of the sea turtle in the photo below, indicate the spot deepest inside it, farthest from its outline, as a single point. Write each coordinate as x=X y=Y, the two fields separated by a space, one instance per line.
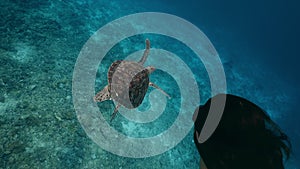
x=128 y=82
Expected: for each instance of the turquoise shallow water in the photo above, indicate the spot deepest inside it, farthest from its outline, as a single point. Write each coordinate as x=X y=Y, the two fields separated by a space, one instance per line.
x=41 y=40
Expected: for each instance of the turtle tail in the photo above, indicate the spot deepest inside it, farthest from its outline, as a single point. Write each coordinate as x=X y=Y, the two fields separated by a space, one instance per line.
x=146 y=52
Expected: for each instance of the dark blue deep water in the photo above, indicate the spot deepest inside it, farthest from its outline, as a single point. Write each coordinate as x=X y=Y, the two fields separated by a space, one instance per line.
x=40 y=40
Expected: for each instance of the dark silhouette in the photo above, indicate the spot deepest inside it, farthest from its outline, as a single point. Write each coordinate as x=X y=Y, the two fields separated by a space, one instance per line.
x=246 y=138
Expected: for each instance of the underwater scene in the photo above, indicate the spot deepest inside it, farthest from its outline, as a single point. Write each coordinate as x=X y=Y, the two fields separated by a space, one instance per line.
x=65 y=63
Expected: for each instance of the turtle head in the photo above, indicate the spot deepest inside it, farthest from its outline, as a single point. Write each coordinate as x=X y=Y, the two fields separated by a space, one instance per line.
x=150 y=69
x=102 y=95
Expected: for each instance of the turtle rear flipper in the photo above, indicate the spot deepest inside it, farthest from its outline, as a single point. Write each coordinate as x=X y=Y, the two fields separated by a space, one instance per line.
x=102 y=95
x=161 y=90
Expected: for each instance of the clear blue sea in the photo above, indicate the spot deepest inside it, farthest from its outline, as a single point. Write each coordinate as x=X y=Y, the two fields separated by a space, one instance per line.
x=47 y=119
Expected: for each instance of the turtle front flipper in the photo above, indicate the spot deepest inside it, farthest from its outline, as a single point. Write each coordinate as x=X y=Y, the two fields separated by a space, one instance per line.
x=161 y=90
x=146 y=52
x=103 y=95
x=115 y=112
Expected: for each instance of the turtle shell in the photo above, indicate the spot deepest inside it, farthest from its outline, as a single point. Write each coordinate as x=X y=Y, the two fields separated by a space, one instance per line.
x=138 y=87
x=111 y=71
x=128 y=83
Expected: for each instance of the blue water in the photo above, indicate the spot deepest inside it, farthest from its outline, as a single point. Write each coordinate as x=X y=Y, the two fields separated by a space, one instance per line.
x=40 y=41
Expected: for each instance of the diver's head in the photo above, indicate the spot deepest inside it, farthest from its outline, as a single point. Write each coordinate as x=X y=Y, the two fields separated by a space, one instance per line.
x=245 y=137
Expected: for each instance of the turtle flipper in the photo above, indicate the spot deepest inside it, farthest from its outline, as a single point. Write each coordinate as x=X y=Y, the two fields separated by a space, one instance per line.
x=115 y=112
x=146 y=52
x=102 y=95
x=154 y=85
